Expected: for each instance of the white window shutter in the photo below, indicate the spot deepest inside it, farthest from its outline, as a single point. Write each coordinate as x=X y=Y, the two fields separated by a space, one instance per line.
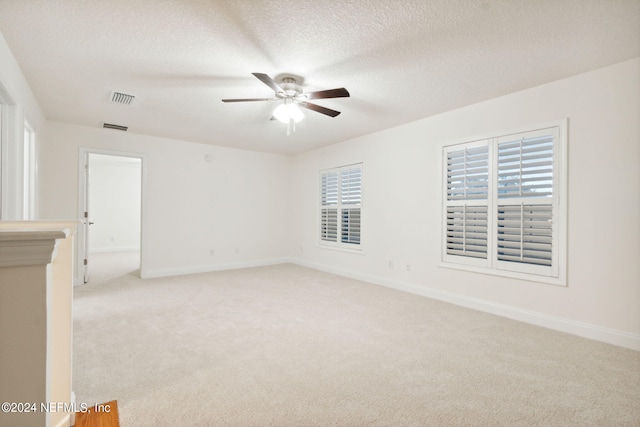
x=329 y=188
x=468 y=173
x=526 y=203
x=341 y=206
x=525 y=234
x=467 y=231
x=350 y=232
x=351 y=185
x=351 y=196
x=466 y=203
x=329 y=206
x=525 y=167
x=329 y=224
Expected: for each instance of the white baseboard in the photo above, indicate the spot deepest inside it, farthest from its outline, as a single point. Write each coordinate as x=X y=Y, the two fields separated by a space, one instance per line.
x=569 y=326
x=150 y=274
x=109 y=249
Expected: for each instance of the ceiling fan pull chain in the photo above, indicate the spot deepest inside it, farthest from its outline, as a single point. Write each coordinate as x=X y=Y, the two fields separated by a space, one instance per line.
x=291 y=124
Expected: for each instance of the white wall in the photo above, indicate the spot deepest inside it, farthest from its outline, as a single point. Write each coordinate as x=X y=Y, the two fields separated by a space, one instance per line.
x=234 y=204
x=114 y=203
x=402 y=206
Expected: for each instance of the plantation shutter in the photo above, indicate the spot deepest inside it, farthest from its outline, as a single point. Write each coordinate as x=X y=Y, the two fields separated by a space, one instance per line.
x=329 y=206
x=467 y=190
x=351 y=185
x=526 y=202
x=350 y=199
x=467 y=231
x=525 y=234
x=468 y=173
x=341 y=205
x=351 y=226
x=525 y=167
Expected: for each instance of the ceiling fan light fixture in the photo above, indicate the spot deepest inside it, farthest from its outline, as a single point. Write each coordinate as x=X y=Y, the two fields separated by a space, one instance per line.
x=288 y=111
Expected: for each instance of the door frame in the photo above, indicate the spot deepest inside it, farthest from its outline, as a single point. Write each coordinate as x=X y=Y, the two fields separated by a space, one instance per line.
x=81 y=249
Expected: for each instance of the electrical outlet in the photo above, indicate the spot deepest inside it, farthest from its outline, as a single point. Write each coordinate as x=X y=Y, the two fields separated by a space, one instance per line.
x=390 y=263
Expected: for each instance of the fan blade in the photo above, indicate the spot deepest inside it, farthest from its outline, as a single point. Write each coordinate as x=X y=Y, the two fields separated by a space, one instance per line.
x=319 y=109
x=330 y=93
x=268 y=81
x=251 y=99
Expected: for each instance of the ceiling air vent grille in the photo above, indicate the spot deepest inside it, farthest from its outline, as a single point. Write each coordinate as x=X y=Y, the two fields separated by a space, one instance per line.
x=122 y=98
x=116 y=127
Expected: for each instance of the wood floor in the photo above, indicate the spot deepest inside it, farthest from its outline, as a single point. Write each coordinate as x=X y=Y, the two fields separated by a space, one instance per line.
x=102 y=415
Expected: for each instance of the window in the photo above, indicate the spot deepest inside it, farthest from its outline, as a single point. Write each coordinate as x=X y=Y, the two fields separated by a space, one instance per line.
x=341 y=206
x=502 y=210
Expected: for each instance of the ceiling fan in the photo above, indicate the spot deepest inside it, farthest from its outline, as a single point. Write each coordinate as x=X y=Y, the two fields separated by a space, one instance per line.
x=291 y=96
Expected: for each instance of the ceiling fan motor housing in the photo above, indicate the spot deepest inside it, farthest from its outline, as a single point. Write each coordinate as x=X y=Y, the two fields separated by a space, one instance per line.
x=290 y=86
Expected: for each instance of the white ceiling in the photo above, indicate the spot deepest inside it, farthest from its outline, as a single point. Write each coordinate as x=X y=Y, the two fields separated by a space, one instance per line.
x=401 y=60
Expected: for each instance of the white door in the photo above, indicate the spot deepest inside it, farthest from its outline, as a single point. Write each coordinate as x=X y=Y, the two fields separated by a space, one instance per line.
x=86 y=221
x=98 y=188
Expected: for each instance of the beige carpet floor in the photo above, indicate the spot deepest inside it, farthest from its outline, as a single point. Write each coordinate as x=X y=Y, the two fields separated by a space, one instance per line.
x=289 y=346
x=105 y=267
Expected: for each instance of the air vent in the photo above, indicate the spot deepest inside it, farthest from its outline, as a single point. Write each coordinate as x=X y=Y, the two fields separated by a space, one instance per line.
x=122 y=98
x=116 y=127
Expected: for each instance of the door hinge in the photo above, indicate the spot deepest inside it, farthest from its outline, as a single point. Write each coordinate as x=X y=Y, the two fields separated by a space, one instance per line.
x=85 y=261
x=86 y=214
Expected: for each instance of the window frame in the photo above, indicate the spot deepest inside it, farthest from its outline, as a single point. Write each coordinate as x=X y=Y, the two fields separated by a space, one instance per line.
x=556 y=273
x=339 y=206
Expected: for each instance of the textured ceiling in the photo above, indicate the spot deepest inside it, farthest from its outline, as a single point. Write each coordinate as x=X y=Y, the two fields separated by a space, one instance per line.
x=401 y=60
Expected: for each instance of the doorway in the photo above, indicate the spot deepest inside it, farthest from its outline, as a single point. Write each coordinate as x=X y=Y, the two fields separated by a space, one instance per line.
x=112 y=214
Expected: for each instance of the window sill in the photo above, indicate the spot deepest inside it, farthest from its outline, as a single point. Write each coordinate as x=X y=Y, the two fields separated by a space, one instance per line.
x=359 y=251
x=558 y=281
